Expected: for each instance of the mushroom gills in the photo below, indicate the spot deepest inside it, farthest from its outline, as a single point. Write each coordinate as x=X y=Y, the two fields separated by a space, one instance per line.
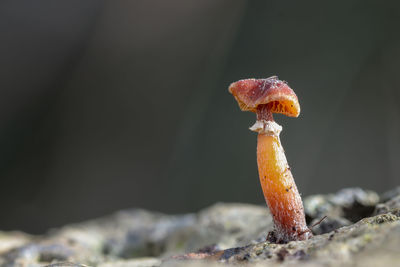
x=282 y=107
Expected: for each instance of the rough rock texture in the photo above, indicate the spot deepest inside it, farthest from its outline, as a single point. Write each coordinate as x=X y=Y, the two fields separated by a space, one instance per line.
x=362 y=229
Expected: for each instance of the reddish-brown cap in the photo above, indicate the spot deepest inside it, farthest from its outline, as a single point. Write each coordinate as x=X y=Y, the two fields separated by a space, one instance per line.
x=251 y=93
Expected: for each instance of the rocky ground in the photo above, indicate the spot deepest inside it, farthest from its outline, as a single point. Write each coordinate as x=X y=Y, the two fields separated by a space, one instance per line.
x=361 y=229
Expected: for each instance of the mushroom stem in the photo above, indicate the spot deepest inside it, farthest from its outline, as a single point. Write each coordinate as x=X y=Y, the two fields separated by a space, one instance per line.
x=264 y=113
x=279 y=188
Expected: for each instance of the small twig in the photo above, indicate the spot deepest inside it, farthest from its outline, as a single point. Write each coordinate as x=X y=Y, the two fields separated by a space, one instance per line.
x=312 y=226
x=320 y=221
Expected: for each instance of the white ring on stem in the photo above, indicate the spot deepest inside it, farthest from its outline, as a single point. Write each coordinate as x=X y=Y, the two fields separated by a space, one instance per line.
x=266 y=127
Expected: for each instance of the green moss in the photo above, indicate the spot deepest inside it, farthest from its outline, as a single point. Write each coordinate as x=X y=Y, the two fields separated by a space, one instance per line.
x=367 y=238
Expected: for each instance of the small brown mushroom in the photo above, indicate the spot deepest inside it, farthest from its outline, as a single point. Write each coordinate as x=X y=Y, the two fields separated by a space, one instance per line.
x=265 y=97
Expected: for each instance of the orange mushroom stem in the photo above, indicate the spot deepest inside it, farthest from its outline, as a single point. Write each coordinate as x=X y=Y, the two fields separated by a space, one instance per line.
x=265 y=97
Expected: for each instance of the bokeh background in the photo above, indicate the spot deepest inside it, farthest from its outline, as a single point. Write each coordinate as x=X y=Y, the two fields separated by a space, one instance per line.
x=108 y=105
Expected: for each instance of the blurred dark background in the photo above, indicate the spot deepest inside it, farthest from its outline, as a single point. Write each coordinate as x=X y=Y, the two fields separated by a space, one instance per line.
x=108 y=105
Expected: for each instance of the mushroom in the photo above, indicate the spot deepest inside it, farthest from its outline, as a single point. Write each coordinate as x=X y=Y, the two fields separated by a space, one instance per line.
x=265 y=97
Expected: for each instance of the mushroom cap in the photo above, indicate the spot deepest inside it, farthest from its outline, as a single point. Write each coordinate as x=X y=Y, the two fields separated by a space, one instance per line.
x=250 y=93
